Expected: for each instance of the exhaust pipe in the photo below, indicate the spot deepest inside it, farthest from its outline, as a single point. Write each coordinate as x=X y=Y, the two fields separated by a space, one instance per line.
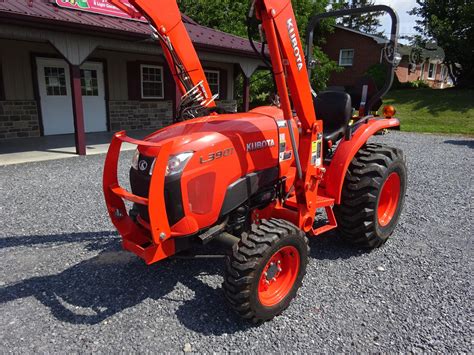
x=226 y=239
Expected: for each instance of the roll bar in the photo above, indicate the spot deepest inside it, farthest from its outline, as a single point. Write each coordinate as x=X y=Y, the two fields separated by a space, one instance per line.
x=390 y=48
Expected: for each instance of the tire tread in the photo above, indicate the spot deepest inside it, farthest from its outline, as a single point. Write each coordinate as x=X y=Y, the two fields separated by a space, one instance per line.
x=242 y=264
x=355 y=215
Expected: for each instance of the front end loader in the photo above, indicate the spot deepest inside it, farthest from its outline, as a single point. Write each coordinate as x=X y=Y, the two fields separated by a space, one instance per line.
x=255 y=182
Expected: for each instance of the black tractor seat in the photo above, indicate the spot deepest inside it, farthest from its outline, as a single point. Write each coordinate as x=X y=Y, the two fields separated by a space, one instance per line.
x=334 y=108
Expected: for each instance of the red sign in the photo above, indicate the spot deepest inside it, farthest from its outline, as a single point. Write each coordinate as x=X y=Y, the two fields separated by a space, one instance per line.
x=102 y=7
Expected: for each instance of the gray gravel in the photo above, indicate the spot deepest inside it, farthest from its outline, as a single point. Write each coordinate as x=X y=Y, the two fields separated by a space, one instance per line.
x=65 y=285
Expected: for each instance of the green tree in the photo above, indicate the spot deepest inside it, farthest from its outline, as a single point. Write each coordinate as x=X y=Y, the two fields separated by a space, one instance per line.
x=450 y=23
x=231 y=16
x=368 y=23
x=224 y=15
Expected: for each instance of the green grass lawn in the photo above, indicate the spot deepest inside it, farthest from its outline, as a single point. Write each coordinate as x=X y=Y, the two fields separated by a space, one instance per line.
x=434 y=111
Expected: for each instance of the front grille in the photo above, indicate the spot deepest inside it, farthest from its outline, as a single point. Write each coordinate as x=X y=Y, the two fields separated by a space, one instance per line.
x=145 y=164
x=140 y=184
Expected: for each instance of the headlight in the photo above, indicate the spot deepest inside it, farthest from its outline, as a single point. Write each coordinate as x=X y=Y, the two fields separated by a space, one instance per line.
x=176 y=163
x=136 y=155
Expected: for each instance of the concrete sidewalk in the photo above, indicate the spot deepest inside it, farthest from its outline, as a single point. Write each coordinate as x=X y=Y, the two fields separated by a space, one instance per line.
x=17 y=151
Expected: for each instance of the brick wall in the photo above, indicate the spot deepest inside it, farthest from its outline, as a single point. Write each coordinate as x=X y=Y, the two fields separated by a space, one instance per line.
x=132 y=115
x=366 y=54
x=19 y=119
x=403 y=73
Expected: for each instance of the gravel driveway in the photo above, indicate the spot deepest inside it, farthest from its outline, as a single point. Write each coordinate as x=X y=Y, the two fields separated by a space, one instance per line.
x=66 y=286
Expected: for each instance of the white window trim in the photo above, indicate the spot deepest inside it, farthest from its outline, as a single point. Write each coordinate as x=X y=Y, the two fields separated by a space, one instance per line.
x=218 y=81
x=162 y=82
x=444 y=73
x=422 y=71
x=340 y=57
x=434 y=71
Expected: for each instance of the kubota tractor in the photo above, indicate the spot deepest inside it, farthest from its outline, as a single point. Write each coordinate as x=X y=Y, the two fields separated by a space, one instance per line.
x=254 y=182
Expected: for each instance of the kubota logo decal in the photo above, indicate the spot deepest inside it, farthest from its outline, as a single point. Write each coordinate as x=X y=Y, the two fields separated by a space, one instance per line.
x=142 y=165
x=260 y=145
x=294 y=43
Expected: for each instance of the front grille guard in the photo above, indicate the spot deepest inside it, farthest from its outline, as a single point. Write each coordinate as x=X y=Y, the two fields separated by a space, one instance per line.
x=135 y=238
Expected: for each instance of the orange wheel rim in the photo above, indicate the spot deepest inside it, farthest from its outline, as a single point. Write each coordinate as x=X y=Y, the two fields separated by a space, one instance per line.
x=388 y=201
x=279 y=276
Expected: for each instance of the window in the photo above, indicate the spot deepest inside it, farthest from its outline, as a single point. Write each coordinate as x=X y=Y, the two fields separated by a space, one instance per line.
x=152 y=82
x=431 y=71
x=89 y=86
x=213 y=78
x=55 y=79
x=422 y=71
x=346 y=57
x=444 y=73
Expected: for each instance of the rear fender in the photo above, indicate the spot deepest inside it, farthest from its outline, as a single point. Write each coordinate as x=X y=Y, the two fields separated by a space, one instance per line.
x=347 y=149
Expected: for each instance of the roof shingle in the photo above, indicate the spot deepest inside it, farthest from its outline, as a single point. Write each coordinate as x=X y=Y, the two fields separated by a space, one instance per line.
x=45 y=10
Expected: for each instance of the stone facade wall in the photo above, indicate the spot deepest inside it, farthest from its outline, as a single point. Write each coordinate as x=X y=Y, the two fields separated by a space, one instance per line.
x=228 y=105
x=19 y=119
x=132 y=115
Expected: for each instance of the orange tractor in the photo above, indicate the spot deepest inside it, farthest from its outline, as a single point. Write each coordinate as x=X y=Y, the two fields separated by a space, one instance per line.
x=254 y=181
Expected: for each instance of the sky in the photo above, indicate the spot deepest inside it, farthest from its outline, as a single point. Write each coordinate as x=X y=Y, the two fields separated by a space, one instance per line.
x=407 y=22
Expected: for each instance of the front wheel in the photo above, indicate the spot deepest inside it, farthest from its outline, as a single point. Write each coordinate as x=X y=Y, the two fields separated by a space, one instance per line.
x=266 y=270
x=372 y=195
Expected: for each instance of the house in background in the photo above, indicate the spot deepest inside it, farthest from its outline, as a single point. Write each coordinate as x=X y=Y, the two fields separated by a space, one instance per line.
x=356 y=52
x=431 y=70
x=61 y=67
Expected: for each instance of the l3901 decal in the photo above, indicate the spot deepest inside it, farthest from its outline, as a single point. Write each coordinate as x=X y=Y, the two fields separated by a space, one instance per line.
x=216 y=155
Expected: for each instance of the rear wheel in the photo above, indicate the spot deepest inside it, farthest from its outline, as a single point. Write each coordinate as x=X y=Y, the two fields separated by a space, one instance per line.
x=372 y=196
x=266 y=270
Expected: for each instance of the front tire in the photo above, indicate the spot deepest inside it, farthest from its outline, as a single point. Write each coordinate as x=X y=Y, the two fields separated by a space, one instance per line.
x=266 y=269
x=373 y=195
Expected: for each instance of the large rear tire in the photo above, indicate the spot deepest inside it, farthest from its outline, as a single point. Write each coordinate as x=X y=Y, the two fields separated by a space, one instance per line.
x=266 y=269
x=373 y=195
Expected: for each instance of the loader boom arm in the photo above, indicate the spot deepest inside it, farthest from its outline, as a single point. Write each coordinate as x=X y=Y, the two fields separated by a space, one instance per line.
x=279 y=23
x=166 y=21
x=291 y=77
x=288 y=61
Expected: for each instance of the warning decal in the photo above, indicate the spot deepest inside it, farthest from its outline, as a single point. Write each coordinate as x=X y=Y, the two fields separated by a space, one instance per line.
x=285 y=152
x=316 y=152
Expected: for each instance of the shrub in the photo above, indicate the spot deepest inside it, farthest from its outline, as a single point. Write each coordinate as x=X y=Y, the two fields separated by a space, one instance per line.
x=378 y=72
x=418 y=84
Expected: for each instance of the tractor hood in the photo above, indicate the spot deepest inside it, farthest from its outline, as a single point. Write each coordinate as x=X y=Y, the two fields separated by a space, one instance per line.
x=233 y=130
